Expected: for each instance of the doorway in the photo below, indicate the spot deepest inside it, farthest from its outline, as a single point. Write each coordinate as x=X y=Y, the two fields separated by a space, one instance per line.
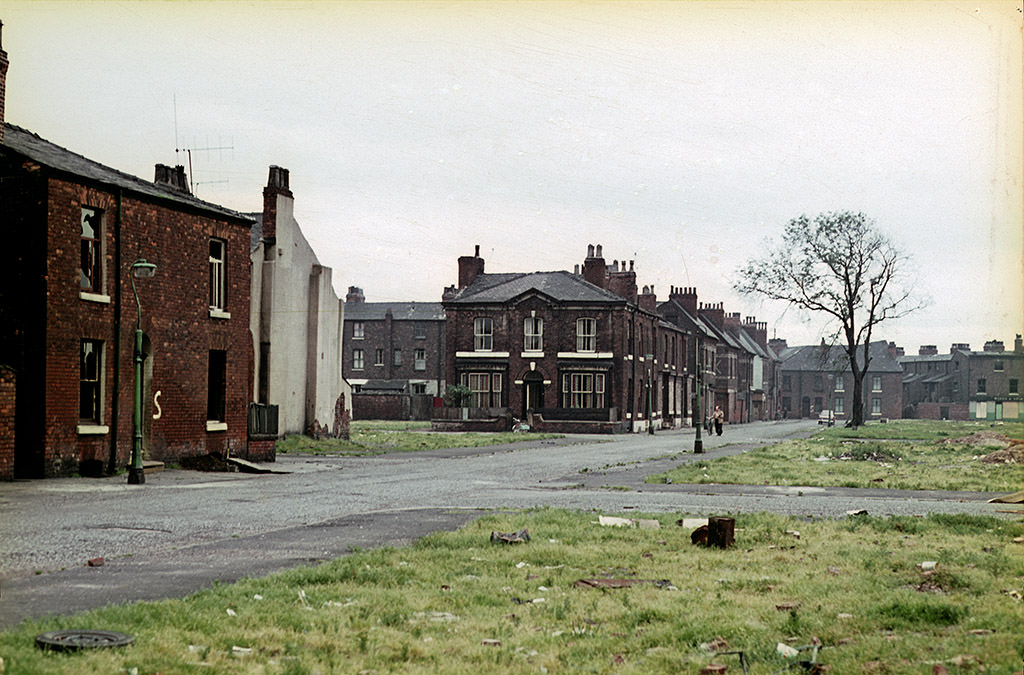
x=533 y=392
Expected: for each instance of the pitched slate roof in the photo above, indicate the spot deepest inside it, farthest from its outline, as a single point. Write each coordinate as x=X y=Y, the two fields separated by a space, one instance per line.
x=561 y=286
x=49 y=154
x=400 y=311
x=812 y=358
x=684 y=319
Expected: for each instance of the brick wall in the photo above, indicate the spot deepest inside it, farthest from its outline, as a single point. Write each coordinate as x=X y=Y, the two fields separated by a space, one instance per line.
x=176 y=321
x=7 y=407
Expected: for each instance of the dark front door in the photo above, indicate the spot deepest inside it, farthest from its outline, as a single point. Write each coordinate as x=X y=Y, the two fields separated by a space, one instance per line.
x=533 y=392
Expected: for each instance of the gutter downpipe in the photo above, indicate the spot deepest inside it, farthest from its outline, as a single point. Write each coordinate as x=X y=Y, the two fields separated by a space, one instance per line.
x=115 y=406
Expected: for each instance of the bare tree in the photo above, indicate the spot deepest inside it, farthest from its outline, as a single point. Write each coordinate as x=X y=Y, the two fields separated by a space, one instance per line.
x=840 y=265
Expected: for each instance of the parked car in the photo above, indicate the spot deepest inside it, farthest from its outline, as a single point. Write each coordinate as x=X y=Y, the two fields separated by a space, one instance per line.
x=827 y=417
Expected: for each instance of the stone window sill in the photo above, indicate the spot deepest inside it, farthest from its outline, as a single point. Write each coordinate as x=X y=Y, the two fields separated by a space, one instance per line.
x=93 y=429
x=94 y=297
x=213 y=425
x=219 y=314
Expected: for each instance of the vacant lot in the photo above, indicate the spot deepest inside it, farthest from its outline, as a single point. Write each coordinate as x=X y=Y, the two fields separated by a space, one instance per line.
x=878 y=595
x=377 y=437
x=905 y=454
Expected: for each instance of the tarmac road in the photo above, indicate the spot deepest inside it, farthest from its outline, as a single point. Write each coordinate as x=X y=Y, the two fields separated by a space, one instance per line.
x=184 y=530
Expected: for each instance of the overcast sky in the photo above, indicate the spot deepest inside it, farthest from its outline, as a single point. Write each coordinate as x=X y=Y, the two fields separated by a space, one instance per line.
x=679 y=135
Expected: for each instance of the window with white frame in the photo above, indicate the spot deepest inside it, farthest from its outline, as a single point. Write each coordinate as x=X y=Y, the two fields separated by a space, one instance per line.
x=91 y=272
x=586 y=335
x=397 y=357
x=876 y=406
x=419 y=331
x=485 y=389
x=90 y=382
x=583 y=390
x=358 y=329
x=218 y=253
x=840 y=383
x=838 y=405
x=419 y=359
x=483 y=335
x=876 y=383
x=533 y=334
x=357 y=359
x=378 y=359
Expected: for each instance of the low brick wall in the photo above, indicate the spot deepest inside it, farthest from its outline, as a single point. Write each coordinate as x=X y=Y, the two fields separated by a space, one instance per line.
x=935 y=411
x=7 y=408
x=539 y=424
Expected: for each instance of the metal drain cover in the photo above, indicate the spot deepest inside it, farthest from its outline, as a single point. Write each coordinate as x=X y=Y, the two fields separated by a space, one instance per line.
x=73 y=640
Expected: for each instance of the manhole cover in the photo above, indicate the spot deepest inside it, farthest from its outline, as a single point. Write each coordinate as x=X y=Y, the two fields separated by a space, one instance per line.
x=73 y=640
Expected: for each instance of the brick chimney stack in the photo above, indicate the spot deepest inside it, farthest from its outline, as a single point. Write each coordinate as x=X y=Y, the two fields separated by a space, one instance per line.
x=355 y=295
x=687 y=297
x=994 y=346
x=470 y=267
x=758 y=330
x=174 y=178
x=713 y=312
x=1018 y=344
x=648 y=300
x=927 y=350
x=594 y=267
x=277 y=184
x=622 y=282
x=3 y=81
x=777 y=345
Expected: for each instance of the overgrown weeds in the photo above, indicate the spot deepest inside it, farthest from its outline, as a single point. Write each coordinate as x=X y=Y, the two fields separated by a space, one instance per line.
x=456 y=603
x=372 y=437
x=905 y=454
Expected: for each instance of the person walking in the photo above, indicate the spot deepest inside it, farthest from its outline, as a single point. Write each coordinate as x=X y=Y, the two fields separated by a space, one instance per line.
x=718 y=417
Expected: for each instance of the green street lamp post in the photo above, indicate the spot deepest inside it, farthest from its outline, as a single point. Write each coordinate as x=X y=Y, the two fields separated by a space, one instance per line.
x=698 y=444
x=136 y=475
x=650 y=394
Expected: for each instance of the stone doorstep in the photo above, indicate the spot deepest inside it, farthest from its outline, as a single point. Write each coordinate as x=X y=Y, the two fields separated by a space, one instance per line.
x=152 y=466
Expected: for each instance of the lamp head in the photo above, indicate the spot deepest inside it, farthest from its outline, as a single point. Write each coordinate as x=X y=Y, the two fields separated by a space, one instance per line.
x=142 y=269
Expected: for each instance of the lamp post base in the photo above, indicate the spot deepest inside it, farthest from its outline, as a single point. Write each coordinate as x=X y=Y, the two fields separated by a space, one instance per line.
x=698 y=446
x=136 y=476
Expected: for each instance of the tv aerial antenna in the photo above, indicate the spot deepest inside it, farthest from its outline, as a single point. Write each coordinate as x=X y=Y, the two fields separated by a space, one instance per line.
x=189 y=150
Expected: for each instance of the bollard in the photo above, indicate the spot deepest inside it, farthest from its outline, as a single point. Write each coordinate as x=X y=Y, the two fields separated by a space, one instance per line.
x=721 y=531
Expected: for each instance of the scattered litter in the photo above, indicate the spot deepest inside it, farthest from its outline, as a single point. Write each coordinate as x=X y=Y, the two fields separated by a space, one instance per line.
x=793 y=533
x=302 y=597
x=843 y=616
x=687 y=523
x=96 y=562
x=443 y=617
x=642 y=523
x=699 y=536
x=257 y=597
x=787 y=606
x=982 y=631
x=512 y=537
x=927 y=565
x=232 y=612
x=1015 y=498
x=241 y=650
x=489 y=642
x=857 y=512
x=521 y=565
x=195 y=648
x=622 y=583
x=834 y=571
x=785 y=651
x=719 y=644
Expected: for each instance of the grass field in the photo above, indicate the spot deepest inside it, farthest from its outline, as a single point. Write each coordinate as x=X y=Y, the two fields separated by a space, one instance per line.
x=377 y=437
x=903 y=454
x=457 y=603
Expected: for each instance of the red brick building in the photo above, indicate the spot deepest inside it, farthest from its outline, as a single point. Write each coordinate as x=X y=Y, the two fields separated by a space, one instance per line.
x=818 y=377
x=68 y=314
x=577 y=352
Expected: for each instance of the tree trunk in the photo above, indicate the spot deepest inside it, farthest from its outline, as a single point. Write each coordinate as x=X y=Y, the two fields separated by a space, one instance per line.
x=857 y=417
